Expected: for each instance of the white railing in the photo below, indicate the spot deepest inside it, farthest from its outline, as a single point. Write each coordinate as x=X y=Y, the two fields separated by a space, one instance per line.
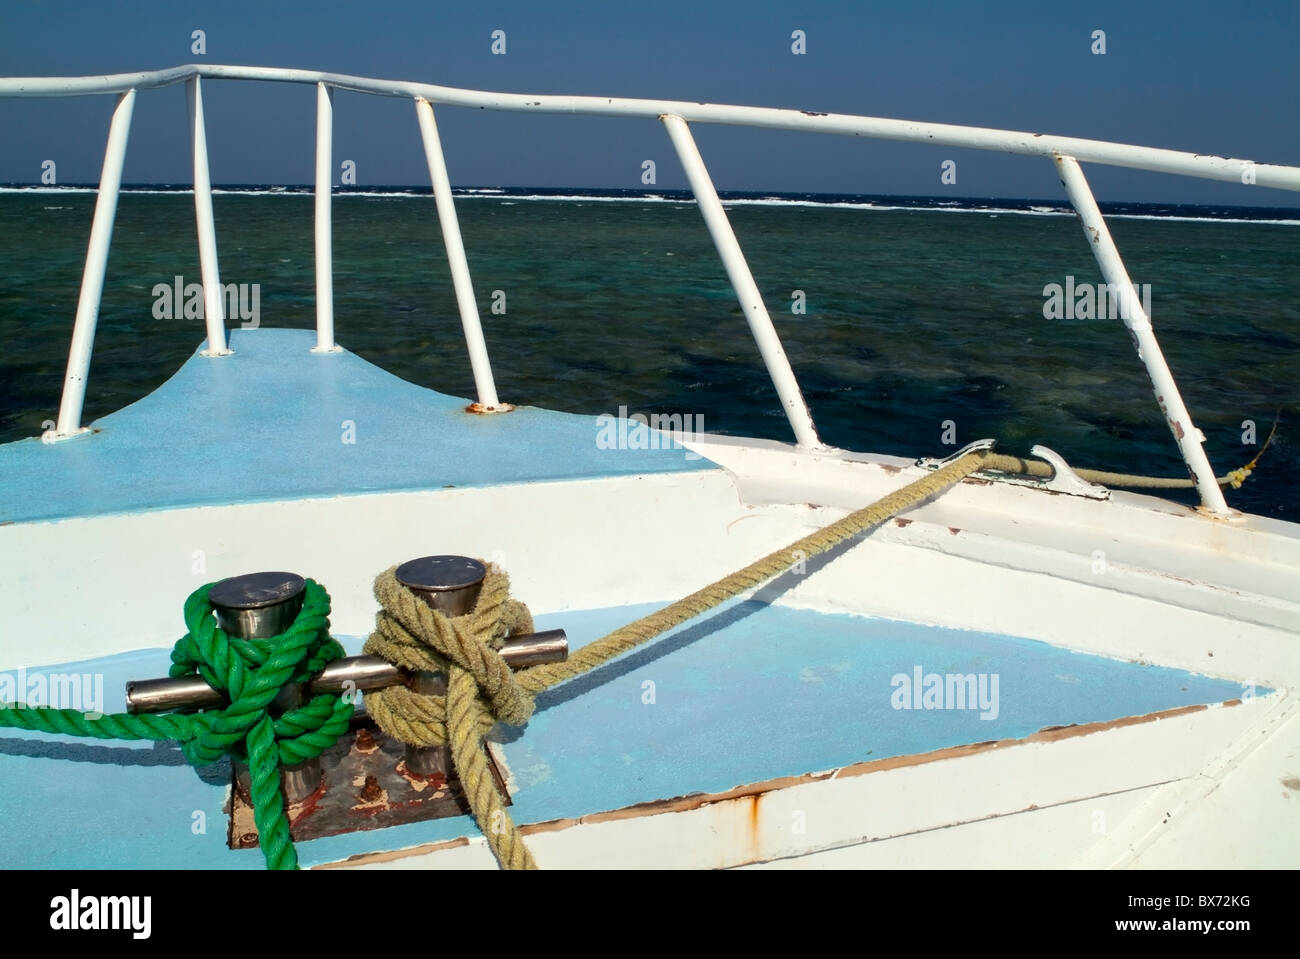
x=1065 y=152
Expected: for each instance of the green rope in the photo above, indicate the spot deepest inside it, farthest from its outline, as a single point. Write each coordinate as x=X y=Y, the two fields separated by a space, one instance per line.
x=251 y=672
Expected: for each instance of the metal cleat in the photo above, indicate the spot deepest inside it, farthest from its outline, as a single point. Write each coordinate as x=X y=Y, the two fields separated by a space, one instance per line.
x=930 y=463
x=1064 y=479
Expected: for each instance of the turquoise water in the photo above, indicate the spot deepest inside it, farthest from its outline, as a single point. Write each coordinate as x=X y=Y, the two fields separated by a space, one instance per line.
x=914 y=317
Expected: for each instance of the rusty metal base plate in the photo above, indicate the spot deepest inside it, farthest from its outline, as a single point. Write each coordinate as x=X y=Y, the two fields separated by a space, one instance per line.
x=365 y=784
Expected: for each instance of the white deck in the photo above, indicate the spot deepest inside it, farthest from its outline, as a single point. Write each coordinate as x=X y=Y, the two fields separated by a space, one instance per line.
x=1181 y=590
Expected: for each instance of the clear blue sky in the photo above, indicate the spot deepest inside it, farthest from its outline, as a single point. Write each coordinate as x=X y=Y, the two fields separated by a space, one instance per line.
x=1200 y=76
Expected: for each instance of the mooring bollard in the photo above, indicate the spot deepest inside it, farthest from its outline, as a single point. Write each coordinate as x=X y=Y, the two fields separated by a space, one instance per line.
x=259 y=606
x=449 y=584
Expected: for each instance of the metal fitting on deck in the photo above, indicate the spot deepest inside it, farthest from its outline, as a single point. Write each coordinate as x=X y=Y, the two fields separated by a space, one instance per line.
x=401 y=783
x=259 y=606
x=449 y=584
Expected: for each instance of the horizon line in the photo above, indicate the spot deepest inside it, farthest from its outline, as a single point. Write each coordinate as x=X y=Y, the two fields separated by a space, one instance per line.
x=686 y=193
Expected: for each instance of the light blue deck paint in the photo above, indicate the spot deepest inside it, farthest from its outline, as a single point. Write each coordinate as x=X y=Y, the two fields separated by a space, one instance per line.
x=267 y=424
x=750 y=693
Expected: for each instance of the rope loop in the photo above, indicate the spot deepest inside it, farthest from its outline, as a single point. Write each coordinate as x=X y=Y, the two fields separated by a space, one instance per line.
x=481 y=689
x=411 y=634
x=252 y=672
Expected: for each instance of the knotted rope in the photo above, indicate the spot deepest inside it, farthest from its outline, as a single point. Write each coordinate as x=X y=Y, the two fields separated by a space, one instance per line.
x=482 y=689
x=251 y=672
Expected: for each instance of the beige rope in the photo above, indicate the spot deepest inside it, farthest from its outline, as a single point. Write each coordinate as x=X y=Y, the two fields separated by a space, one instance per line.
x=1014 y=464
x=483 y=690
x=481 y=687
x=410 y=634
x=467 y=718
x=634 y=634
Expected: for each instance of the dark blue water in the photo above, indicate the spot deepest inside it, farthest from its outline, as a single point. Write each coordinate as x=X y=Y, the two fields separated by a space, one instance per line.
x=918 y=311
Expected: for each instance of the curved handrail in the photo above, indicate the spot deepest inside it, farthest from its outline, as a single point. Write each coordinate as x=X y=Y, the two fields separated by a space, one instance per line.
x=940 y=134
x=1065 y=152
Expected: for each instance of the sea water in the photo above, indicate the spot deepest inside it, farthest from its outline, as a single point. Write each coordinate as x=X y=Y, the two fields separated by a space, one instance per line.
x=914 y=325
